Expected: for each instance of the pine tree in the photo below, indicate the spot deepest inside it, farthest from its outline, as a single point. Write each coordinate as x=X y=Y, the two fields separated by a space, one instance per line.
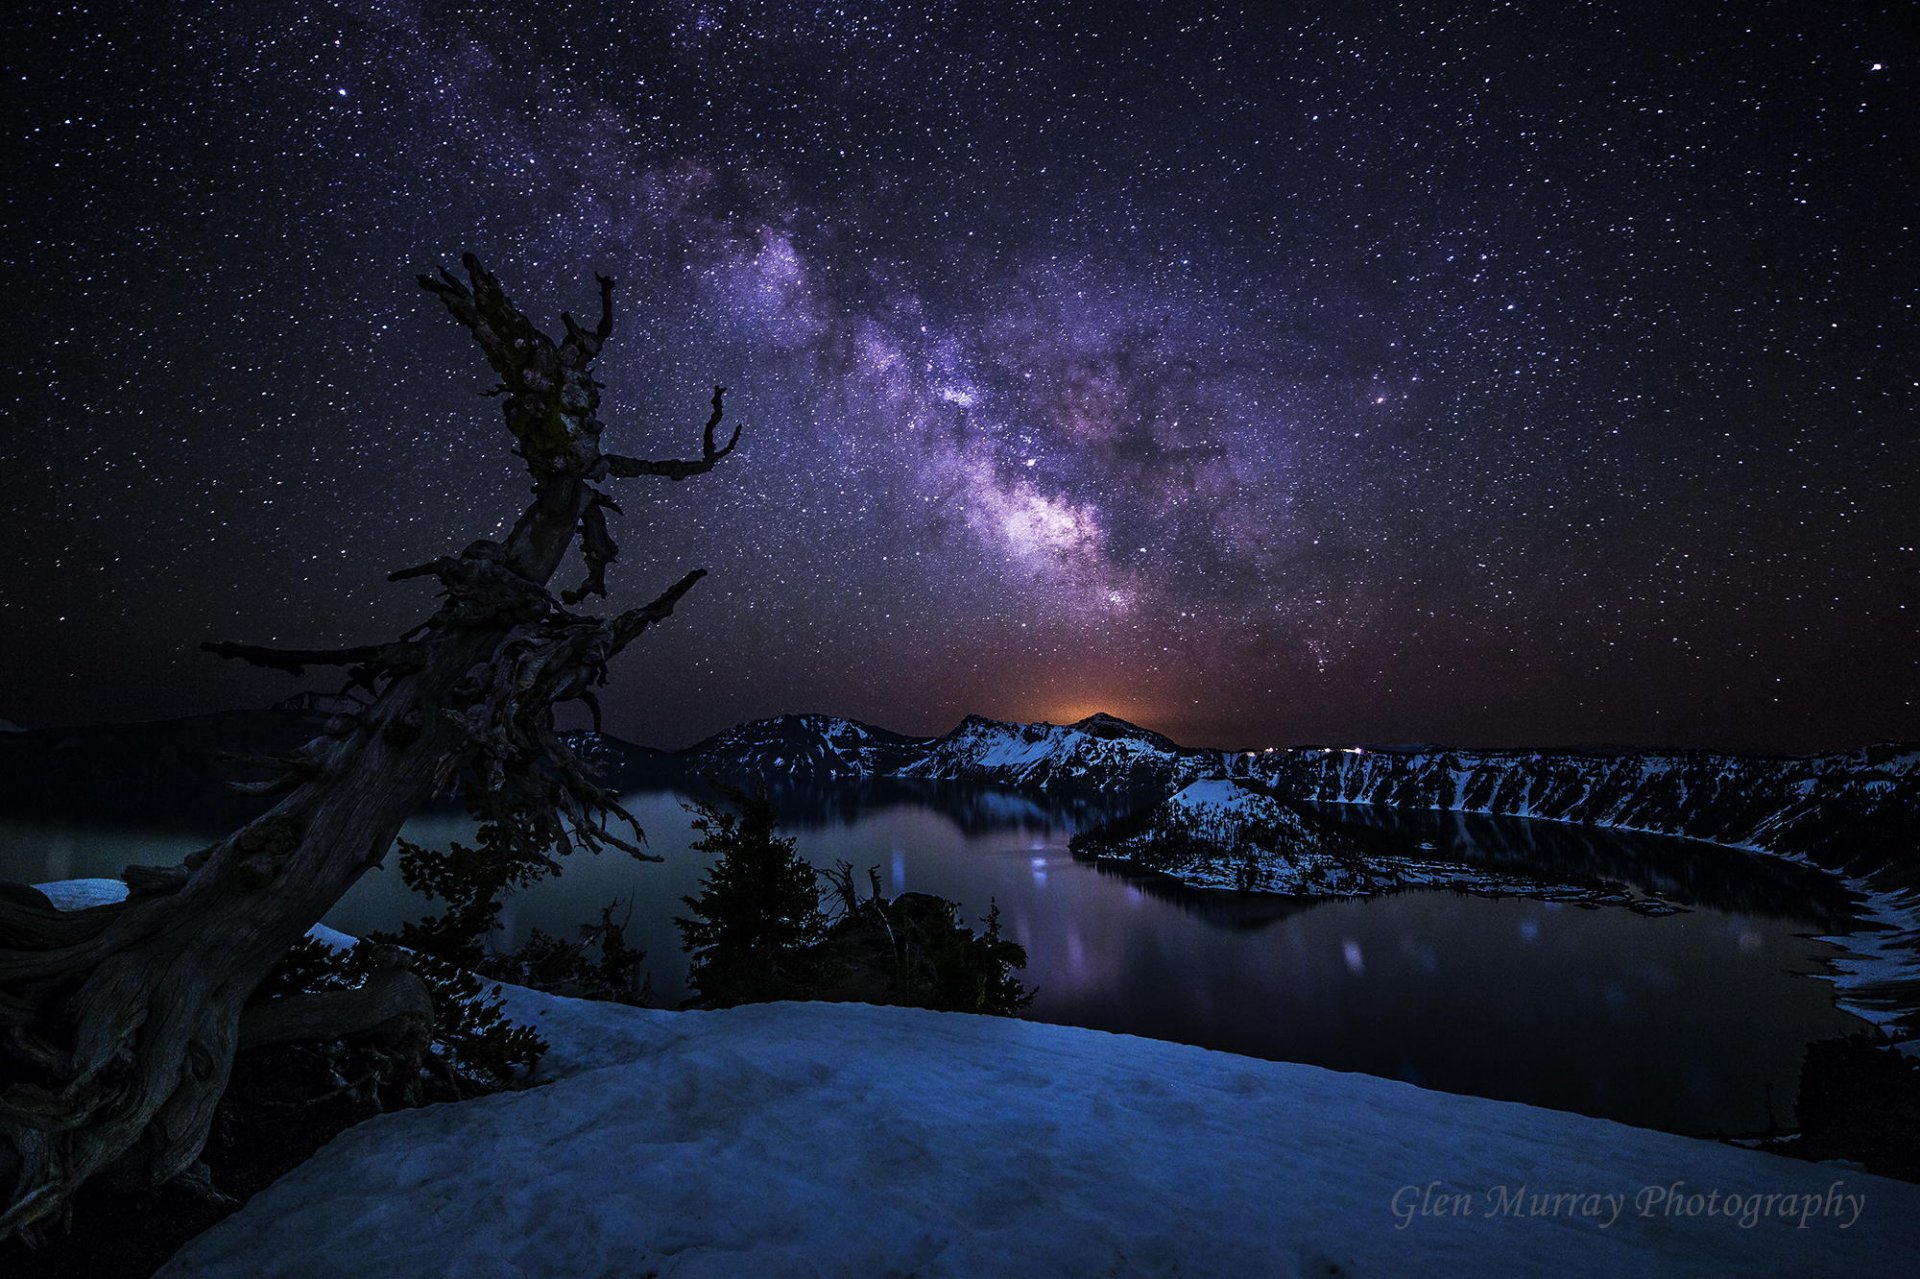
x=756 y=923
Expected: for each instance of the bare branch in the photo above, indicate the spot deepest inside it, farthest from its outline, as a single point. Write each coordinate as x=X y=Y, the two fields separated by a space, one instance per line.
x=604 y=329
x=148 y=881
x=706 y=438
x=294 y=661
x=628 y=626
x=582 y=346
x=393 y=1005
x=597 y=548
x=29 y=920
x=674 y=468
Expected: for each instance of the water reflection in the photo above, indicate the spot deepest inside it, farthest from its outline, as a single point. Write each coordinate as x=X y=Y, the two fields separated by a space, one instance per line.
x=1696 y=1022
x=1680 y=870
x=974 y=810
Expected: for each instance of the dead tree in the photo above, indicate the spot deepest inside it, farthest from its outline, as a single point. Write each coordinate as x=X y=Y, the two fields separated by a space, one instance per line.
x=118 y=1024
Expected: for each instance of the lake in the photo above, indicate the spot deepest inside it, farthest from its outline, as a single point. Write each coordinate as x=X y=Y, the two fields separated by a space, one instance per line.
x=1695 y=1022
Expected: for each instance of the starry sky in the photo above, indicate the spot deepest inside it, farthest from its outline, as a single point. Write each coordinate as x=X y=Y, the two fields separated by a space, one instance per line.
x=1532 y=373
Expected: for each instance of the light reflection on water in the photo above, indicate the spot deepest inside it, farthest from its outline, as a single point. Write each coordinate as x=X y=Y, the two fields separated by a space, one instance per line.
x=1696 y=1022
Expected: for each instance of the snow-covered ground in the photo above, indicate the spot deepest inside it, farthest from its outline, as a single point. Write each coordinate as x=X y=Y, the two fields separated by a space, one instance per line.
x=842 y=1139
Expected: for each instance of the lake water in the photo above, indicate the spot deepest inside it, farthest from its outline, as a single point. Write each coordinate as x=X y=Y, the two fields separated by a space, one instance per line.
x=1695 y=1022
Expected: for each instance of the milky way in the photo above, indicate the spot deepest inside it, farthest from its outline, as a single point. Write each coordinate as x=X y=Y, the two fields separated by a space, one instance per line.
x=1481 y=373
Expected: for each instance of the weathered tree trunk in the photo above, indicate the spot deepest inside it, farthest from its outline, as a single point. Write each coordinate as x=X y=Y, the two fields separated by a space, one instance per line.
x=118 y=1024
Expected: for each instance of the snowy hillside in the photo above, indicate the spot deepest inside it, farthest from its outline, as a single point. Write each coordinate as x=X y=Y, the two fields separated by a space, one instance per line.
x=802 y=748
x=1220 y=833
x=1853 y=811
x=1225 y=796
x=842 y=1139
x=1857 y=811
x=1099 y=751
x=1232 y=833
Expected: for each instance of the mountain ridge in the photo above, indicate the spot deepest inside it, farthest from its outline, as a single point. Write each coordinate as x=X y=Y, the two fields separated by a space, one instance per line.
x=1855 y=813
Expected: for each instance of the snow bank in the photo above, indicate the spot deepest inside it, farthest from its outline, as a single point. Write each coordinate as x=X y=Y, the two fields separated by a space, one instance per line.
x=830 y=1139
x=840 y=1139
x=80 y=894
x=1224 y=794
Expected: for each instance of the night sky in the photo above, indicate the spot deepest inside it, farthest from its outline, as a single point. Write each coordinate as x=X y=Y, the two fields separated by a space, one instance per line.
x=1497 y=373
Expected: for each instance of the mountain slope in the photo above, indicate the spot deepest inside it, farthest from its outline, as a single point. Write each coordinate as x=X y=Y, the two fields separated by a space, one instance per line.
x=1100 y=751
x=1857 y=812
x=802 y=748
x=1853 y=811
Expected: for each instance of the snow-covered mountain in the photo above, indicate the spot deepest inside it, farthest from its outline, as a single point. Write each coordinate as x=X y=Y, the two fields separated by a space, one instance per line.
x=1100 y=752
x=1237 y=833
x=1224 y=833
x=803 y=749
x=1856 y=812
x=1853 y=811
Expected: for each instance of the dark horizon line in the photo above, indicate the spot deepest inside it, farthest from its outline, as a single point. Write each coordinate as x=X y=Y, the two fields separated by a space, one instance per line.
x=1399 y=747
x=1564 y=748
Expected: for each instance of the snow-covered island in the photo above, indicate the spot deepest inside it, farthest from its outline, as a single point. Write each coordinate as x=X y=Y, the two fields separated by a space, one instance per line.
x=1854 y=814
x=1223 y=833
x=1236 y=833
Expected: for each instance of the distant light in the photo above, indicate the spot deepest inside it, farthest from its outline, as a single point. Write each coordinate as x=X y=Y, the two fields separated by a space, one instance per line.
x=1878 y=66
x=343 y=92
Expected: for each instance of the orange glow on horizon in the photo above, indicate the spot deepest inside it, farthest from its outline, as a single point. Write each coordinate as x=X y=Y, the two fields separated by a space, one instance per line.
x=1069 y=712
